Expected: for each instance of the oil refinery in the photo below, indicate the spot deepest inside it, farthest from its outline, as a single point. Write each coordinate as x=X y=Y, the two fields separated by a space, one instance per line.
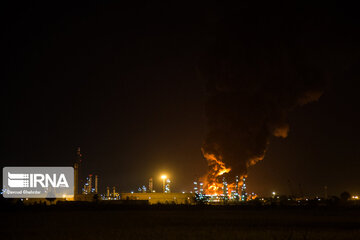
x=87 y=190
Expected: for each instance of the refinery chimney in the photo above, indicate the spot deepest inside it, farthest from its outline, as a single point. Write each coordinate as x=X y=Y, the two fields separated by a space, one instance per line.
x=96 y=184
x=237 y=189
x=243 y=191
x=76 y=171
x=151 y=185
x=76 y=177
x=167 y=186
x=225 y=189
x=107 y=192
x=90 y=183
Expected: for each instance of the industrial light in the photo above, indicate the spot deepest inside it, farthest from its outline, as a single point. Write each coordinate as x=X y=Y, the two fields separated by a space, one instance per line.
x=165 y=183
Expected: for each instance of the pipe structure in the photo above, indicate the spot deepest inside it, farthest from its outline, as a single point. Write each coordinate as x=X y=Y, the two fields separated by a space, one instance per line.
x=76 y=171
x=76 y=179
x=96 y=184
x=90 y=184
x=151 y=185
x=237 y=189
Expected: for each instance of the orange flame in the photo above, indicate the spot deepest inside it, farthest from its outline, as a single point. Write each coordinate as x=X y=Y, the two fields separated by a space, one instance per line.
x=252 y=197
x=213 y=184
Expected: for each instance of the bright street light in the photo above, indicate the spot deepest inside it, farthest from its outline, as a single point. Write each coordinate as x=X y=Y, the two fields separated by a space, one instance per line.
x=163 y=177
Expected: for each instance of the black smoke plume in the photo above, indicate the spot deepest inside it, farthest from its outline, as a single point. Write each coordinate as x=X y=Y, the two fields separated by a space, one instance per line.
x=261 y=68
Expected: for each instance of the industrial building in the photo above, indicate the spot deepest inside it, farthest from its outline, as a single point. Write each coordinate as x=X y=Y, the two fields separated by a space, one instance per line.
x=163 y=198
x=89 y=191
x=236 y=194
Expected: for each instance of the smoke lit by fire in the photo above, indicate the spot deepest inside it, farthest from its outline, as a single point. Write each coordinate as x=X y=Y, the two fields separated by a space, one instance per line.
x=252 y=86
x=213 y=181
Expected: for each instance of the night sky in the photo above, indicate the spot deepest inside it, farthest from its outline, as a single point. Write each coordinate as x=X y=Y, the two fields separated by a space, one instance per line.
x=127 y=84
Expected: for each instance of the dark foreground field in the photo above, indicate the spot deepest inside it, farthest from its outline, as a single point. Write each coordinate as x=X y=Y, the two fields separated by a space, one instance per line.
x=181 y=223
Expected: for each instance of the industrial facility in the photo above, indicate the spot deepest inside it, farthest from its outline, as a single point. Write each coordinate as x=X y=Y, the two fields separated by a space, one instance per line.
x=236 y=195
x=163 y=198
x=88 y=190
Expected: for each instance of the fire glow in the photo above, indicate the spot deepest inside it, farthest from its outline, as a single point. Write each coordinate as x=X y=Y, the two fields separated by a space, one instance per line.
x=213 y=181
